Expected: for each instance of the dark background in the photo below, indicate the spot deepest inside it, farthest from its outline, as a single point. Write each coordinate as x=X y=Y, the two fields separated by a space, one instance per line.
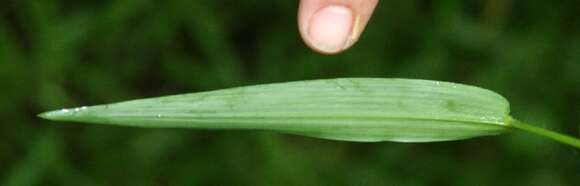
x=64 y=53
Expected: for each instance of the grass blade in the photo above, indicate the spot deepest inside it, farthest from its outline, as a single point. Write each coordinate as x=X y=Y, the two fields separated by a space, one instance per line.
x=351 y=109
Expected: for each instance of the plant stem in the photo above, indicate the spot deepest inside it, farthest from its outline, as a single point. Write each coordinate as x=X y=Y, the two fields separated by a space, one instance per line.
x=575 y=142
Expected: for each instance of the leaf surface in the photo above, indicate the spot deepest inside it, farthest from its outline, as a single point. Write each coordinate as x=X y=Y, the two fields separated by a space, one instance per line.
x=350 y=109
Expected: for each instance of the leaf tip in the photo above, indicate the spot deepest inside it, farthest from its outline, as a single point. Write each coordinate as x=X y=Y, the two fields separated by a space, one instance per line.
x=61 y=115
x=54 y=115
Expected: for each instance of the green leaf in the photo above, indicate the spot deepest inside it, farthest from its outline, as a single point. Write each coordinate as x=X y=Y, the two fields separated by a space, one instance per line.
x=350 y=109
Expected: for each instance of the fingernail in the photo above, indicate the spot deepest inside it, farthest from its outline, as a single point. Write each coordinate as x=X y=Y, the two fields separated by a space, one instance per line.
x=330 y=28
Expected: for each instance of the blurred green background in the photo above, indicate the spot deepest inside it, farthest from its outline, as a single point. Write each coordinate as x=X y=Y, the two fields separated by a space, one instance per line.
x=63 y=53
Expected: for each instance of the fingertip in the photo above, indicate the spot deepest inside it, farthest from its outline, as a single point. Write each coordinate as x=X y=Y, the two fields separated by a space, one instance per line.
x=332 y=26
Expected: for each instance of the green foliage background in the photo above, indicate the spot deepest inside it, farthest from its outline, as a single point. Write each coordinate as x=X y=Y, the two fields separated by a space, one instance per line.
x=62 y=53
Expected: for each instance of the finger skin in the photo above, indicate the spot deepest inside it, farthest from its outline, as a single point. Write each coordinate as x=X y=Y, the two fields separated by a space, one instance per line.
x=362 y=11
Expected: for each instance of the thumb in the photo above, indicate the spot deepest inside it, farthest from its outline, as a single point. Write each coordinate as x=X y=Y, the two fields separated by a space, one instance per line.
x=332 y=26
